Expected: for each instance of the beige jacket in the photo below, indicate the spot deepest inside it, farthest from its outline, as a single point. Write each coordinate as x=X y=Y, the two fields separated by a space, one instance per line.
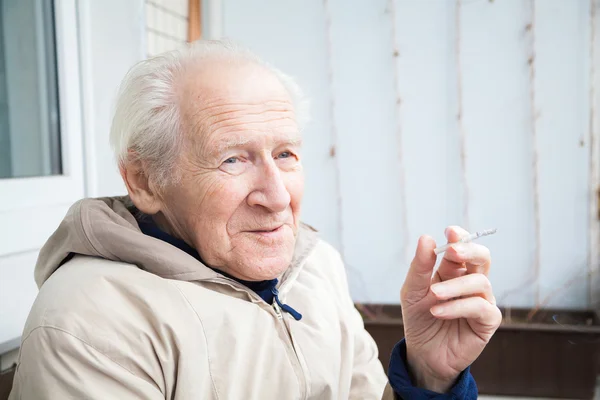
x=132 y=317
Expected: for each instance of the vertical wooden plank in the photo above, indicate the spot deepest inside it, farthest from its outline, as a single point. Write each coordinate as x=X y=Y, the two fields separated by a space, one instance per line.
x=462 y=134
x=367 y=148
x=333 y=125
x=497 y=116
x=457 y=185
x=427 y=72
x=399 y=132
x=562 y=97
x=593 y=61
x=530 y=31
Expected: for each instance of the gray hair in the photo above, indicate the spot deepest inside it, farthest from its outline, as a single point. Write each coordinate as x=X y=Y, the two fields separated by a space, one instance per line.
x=147 y=122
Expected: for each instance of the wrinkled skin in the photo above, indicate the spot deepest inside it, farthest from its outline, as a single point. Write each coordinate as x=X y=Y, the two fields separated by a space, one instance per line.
x=241 y=180
x=450 y=315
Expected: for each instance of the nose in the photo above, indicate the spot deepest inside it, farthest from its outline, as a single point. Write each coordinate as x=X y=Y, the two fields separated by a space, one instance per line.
x=270 y=191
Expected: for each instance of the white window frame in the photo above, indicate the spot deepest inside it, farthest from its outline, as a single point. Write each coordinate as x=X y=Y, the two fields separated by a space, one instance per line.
x=30 y=208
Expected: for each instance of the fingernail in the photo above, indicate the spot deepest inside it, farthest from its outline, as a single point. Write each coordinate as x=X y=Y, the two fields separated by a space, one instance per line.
x=438 y=289
x=437 y=311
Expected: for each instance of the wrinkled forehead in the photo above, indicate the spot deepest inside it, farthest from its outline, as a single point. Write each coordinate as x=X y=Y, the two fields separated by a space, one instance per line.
x=235 y=98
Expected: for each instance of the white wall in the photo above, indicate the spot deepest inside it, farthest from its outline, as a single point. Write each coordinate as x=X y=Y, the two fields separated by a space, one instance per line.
x=112 y=39
x=384 y=128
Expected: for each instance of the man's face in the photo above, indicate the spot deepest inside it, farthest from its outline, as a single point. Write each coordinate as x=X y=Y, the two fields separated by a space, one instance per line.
x=238 y=200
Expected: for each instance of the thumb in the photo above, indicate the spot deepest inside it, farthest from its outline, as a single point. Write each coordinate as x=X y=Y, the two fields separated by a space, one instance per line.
x=418 y=279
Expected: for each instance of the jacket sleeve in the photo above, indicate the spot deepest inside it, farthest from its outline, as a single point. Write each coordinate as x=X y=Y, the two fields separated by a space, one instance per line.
x=54 y=364
x=401 y=384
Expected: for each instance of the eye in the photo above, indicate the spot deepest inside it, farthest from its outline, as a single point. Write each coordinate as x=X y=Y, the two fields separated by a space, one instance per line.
x=285 y=154
x=234 y=165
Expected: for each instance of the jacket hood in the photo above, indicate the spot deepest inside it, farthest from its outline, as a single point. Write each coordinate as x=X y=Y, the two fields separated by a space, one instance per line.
x=106 y=228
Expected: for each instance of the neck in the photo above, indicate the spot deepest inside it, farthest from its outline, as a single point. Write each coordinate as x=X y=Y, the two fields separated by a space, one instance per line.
x=163 y=223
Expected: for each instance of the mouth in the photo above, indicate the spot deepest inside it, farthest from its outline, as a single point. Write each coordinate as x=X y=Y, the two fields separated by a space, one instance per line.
x=268 y=231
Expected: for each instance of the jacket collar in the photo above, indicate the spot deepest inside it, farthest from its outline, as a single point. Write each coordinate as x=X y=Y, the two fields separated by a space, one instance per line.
x=106 y=228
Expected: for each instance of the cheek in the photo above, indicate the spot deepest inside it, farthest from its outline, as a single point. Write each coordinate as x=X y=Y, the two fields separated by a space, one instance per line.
x=295 y=187
x=209 y=200
x=223 y=197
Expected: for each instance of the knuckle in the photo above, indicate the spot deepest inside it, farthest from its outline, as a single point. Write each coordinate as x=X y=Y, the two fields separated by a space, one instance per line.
x=486 y=253
x=497 y=316
x=481 y=252
x=486 y=285
x=482 y=281
x=493 y=301
x=481 y=305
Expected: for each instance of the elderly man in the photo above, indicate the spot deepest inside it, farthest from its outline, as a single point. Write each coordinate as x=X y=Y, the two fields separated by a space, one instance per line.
x=204 y=284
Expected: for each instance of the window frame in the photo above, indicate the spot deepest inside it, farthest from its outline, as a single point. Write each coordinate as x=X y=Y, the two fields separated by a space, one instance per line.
x=32 y=207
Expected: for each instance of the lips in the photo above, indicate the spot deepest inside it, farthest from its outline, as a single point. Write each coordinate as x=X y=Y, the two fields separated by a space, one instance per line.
x=267 y=230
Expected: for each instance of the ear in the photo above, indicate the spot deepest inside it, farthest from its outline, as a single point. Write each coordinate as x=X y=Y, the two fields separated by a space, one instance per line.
x=141 y=191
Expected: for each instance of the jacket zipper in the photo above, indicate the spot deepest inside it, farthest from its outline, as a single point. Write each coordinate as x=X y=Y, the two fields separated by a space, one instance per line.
x=277 y=310
x=288 y=334
x=290 y=342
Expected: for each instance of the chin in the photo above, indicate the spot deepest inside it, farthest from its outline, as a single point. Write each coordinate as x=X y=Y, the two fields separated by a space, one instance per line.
x=265 y=258
x=262 y=269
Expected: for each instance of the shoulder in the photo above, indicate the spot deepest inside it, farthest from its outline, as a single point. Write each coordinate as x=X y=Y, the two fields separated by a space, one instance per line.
x=88 y=283
x=97 y=290
x=116 y=308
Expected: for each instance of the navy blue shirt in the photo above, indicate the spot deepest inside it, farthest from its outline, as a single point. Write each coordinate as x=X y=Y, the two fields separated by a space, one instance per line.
x=400 y=380
x=398 y=374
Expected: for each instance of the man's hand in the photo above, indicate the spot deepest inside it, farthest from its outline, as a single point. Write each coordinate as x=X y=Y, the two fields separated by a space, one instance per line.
x=449 y=316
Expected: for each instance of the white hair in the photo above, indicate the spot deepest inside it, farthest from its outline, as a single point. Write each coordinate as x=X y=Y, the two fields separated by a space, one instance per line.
x=147 y=122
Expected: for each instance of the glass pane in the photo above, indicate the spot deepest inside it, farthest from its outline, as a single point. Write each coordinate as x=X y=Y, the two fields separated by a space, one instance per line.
x=29 y=119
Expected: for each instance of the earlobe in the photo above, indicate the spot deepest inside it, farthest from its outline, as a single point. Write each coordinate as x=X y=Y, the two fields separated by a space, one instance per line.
x=140 y=190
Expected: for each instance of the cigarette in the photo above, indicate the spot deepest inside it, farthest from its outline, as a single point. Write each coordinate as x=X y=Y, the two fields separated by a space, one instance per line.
x=466 y=239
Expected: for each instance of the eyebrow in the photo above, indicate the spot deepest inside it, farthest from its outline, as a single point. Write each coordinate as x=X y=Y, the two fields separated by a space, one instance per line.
x=225 y=145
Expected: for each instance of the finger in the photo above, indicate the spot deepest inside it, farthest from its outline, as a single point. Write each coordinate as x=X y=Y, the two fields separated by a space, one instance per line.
x=417 y=282
x=475 y=257
x=468 y=285
x=449 y=269
x=472 y=308
x=454 y=233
